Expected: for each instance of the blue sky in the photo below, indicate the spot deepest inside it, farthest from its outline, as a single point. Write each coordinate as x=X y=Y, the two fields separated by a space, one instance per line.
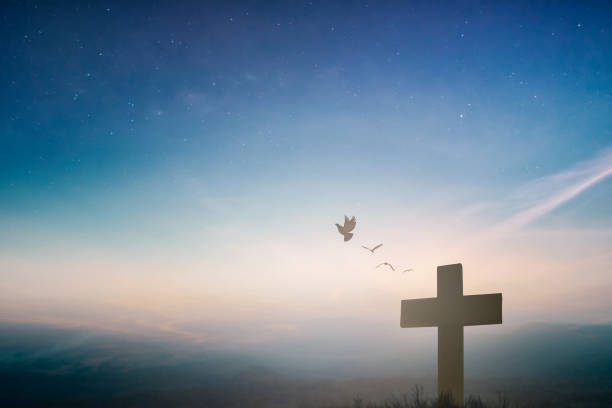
x=154 y=155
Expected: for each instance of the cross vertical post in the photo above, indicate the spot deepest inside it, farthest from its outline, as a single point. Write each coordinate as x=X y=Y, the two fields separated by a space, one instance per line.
x=450 y=311
x=450 y=335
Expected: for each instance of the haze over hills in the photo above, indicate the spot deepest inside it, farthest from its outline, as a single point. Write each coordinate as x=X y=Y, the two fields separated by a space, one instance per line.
x=42 y=366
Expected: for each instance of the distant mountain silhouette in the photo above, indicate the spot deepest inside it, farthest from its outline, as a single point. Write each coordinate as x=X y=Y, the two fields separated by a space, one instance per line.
x=556 y=351
x=41 y=366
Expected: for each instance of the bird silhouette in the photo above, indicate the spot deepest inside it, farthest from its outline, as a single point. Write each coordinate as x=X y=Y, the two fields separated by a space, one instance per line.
x=386 y=264
x=408 y=270
x=372 y=249
x=345 y=230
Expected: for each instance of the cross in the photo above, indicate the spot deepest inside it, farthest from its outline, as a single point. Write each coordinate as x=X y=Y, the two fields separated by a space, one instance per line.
x=450 y=311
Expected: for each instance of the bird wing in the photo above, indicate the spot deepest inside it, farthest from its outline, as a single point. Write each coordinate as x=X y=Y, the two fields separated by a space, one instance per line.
x=376 y=247
x=349 y=225
x=365 y=247
x=379 y=265
x=340 y=229
x=408 y=270
x=391 y=266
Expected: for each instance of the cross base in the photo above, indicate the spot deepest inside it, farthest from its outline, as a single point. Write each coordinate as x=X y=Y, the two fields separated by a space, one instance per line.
x=450 y=361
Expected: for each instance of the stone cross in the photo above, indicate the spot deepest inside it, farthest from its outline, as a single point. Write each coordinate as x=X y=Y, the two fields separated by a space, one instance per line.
x=450 y=311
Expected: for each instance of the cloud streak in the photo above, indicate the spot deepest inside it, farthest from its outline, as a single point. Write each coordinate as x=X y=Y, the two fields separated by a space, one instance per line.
x=542 y=196
x=572 y=183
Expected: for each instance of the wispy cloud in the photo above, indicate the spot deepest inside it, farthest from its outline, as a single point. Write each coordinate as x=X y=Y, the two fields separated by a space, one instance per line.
x=561 y=188
x=540 y=197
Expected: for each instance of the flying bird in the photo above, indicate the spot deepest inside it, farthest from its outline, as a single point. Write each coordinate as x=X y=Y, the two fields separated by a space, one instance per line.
x=408 y=270
x=386 y=264
x=345 y=230
x=372 y=249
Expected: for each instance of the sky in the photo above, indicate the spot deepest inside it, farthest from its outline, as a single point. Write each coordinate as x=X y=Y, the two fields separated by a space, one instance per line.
x=175 y=169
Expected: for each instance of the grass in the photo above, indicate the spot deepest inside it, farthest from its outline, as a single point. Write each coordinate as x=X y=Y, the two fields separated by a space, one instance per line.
x=419 y=401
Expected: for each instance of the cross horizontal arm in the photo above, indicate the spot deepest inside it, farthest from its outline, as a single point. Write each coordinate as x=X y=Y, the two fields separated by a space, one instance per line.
x=481 y=309
x=420 y=313
x=462 y=310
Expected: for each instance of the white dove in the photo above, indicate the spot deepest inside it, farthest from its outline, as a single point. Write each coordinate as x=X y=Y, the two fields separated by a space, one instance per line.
x=346 y=229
